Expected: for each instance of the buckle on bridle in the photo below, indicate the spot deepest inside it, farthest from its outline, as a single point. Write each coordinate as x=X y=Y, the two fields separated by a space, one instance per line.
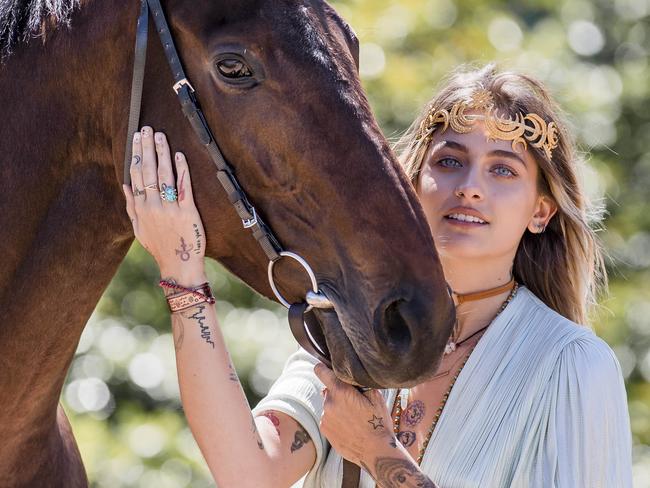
x=248 y=223
x=179 y=84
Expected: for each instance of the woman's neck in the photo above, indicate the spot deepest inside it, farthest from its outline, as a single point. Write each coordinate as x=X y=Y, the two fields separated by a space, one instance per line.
x=471 y=276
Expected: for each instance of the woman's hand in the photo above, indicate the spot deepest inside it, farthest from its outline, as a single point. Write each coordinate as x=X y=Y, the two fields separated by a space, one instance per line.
x=169 y=228
x=353 y=422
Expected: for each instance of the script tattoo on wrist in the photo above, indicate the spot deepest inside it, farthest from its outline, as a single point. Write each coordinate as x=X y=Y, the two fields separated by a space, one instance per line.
x=396 y=473
x=300 y=438
x=184 y=251
x=197 y=239
x=178 y=332
x=200 y=318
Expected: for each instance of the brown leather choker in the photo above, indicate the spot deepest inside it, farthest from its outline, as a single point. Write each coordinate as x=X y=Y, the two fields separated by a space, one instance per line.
x=453 y=341
x=479 y=295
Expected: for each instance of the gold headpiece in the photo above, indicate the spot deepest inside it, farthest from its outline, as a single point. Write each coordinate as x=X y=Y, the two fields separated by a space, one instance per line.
x=522 y=128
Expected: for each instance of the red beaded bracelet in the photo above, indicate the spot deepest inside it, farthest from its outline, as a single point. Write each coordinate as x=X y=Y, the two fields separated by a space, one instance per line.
x=188 y=297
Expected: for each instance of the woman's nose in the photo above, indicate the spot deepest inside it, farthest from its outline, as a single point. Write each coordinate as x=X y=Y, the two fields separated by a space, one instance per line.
x=470 y=187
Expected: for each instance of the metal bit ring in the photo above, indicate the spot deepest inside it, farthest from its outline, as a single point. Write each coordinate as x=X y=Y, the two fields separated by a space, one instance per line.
x=314 y=296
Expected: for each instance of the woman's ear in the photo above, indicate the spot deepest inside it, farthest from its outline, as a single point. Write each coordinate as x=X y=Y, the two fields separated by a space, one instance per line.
x=544 y=211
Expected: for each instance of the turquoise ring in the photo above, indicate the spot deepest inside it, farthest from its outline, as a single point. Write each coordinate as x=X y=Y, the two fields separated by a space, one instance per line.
x=168 y=193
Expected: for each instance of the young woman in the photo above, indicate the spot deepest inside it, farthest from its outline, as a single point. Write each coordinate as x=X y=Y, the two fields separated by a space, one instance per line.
x=525 y=395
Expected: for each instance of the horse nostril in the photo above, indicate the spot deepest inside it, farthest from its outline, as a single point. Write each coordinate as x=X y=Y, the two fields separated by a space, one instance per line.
x=396 y=328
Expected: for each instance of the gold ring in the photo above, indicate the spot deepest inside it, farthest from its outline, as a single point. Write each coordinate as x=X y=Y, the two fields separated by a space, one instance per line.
x=152 y=186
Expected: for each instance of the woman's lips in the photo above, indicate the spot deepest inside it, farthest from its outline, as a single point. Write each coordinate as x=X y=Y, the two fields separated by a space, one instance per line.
x=463 y=223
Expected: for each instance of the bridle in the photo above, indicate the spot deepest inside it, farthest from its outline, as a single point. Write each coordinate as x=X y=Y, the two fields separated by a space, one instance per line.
x=304 y=326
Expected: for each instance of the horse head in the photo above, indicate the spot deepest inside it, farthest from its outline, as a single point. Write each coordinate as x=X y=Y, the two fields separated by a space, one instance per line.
x=279 y=86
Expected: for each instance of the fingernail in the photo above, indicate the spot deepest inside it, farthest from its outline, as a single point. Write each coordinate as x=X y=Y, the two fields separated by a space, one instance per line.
x=136 y=137
x=178 y=156
x=158 y=137
x=124 y=189
x=145 y=132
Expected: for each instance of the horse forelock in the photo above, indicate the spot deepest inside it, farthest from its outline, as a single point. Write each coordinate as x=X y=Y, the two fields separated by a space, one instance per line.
x=22 y=19
x=305 y=38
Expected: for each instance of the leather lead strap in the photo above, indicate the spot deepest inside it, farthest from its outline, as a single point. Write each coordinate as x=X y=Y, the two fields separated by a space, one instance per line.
x=351 y=474
x=137 y=83
x=193 y=113
x=299 y=321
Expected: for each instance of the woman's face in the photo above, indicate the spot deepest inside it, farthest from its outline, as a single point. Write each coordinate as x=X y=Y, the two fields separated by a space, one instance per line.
x=471 y=175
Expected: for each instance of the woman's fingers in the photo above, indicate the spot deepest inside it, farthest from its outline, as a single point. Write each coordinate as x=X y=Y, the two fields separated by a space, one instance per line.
x=150 y=167
x=185 y=196
x=165 y=172
x=136 y=172
x=130 y=204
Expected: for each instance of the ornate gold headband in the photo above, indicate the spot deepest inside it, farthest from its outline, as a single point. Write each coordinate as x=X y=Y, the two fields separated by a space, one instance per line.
x=522 y=128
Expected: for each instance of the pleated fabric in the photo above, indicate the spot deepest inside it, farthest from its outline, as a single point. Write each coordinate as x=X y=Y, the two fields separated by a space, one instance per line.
x=541 y=402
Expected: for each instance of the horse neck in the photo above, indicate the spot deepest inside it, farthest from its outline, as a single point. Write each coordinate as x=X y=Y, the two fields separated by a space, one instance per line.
x=63 y=213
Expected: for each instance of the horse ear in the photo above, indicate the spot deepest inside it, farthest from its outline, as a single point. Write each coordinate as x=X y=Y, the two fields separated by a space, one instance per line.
x=355 y=52
x=351 y=38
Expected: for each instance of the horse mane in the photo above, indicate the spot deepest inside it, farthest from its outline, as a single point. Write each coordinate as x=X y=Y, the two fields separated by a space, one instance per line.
x=22 y=19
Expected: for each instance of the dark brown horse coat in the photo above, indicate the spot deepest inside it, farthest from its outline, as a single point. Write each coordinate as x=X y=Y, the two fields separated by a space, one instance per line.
x=306 y=150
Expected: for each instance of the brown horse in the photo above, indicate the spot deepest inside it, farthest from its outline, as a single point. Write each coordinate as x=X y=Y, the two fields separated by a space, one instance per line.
x=305 y=148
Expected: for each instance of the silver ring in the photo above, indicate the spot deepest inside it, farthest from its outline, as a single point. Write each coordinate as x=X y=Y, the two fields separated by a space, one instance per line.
x=168 y=193
x=307 y=268
x=152 y=186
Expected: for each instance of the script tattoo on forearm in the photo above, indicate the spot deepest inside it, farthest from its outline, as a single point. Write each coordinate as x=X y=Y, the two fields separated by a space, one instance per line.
x=232 y=375
x=178 y=332
x=300 y=438
x=200 y=318
x=197 y=239
x=396 y=473
x=184 y=251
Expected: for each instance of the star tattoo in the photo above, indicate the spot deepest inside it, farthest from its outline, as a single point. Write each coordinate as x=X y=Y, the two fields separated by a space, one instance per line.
x=376 y=422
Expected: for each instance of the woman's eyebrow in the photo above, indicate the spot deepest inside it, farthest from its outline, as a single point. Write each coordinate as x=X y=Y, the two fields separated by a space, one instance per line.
x=507 y=154
x=453 y=145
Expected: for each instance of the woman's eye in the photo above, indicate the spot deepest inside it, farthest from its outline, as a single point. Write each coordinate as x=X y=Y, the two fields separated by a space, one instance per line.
x=504 y=171
x=449 y=163
x=234 y=68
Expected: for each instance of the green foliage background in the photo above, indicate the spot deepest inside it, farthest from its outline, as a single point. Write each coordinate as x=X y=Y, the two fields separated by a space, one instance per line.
x=121 y=393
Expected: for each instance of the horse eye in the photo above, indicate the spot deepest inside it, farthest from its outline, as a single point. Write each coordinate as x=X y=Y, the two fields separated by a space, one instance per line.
x=234 y=68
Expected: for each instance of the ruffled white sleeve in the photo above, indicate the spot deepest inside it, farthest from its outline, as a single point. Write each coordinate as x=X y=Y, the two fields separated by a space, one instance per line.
x=297 y=393
x=586 y=440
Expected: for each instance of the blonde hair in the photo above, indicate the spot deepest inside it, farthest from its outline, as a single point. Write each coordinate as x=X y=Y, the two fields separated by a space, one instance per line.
x=564 y=266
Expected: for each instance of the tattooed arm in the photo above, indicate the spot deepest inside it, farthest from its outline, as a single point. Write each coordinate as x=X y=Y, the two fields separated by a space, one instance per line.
x=391 y=466
x=272 y=450
x=359 y=427
x=216 y=408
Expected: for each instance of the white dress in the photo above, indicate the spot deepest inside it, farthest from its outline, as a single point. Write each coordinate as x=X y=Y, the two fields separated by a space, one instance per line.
x=541 y=402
